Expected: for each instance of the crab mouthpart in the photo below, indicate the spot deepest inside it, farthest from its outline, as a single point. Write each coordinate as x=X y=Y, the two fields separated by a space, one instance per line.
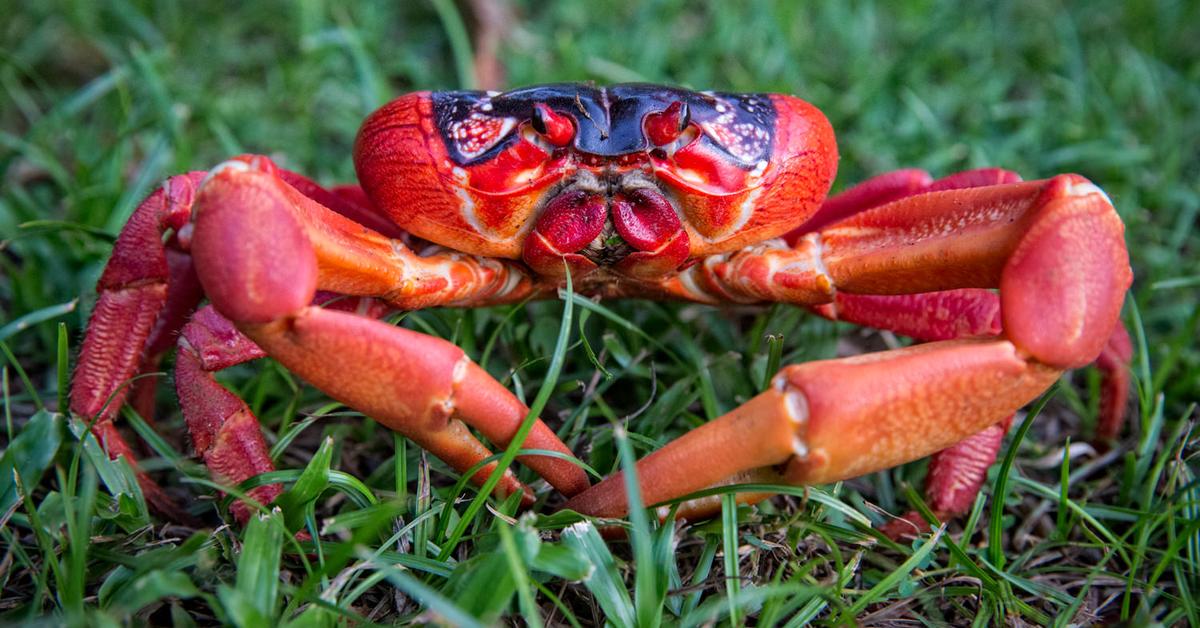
x=631 y=228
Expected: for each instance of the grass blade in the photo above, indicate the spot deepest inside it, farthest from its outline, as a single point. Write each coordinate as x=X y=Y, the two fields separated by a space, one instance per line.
x=603 y=581
x=38 y=316
x=442 y=607
x=529 y=609
x=29 y=455
x=729 y=537
x=1000 y=491
x=649 y=592
x=460 y=42
x=535 y=409
x=893 y=579
x=253 y=601
x=308 y=487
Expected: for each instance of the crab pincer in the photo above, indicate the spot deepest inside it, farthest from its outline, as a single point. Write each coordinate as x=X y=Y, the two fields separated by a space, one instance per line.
x=263 y=257
x=1054 y=248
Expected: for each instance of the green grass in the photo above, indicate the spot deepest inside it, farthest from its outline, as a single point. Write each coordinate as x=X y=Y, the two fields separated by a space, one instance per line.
x=99 y=101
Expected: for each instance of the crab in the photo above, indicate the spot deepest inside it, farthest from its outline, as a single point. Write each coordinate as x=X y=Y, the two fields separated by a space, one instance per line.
x=474 y=199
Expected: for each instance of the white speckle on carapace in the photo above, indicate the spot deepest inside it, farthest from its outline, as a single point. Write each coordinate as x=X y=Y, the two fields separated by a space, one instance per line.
x=748 y=142
x=475 y=134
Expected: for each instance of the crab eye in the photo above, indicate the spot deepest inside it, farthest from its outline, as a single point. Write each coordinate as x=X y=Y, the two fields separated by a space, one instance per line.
x=555 y=127
x=667 y=125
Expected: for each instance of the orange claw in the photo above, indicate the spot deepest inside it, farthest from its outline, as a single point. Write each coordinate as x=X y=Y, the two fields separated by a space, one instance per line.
x=262 y=250
x=1056 y=250
x=1064 y=284
x=423 y=387
x=837 y=419
x=956 y=474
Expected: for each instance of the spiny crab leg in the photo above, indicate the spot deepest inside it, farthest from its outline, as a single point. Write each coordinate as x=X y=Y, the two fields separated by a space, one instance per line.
x=262 y=251
x=148 y=289
x=224 y=430
x=145 y=294
x=1055 y=248
x=133 y=292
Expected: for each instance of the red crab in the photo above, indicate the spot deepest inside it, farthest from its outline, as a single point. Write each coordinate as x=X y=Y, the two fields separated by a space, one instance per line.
x=472 y=199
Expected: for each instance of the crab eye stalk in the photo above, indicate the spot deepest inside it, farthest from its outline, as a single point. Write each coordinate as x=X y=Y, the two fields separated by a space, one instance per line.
x=555 y=127
x=667 y=125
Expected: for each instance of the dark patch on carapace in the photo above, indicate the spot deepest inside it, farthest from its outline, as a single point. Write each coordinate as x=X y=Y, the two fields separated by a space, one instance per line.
x=608 y=120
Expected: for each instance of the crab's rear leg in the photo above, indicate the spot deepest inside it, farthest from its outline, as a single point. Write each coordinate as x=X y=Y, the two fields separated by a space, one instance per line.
x=147 y=290
x=144 y=295
x=1055 y=248
x=224 y=431
x=263 y=249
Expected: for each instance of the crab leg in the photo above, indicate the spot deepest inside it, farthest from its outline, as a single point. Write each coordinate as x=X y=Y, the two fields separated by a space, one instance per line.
x=836 y=419
x=263 y=249
x=134 y=301
x=956 y=473
x=873 y=192
x=224 y=430
x=183 y=294
x=148 y=289
x=970 y=313
x=1055 y=249
x=145 y=294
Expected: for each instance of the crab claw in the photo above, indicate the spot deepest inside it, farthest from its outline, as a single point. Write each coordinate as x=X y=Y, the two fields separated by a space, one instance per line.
x=836 y=419
x=1054 y=248
x=262 y=250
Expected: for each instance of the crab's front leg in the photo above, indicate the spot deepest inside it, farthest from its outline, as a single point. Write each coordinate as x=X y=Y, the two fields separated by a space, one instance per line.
x=262 y=250
x=1054 y=248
